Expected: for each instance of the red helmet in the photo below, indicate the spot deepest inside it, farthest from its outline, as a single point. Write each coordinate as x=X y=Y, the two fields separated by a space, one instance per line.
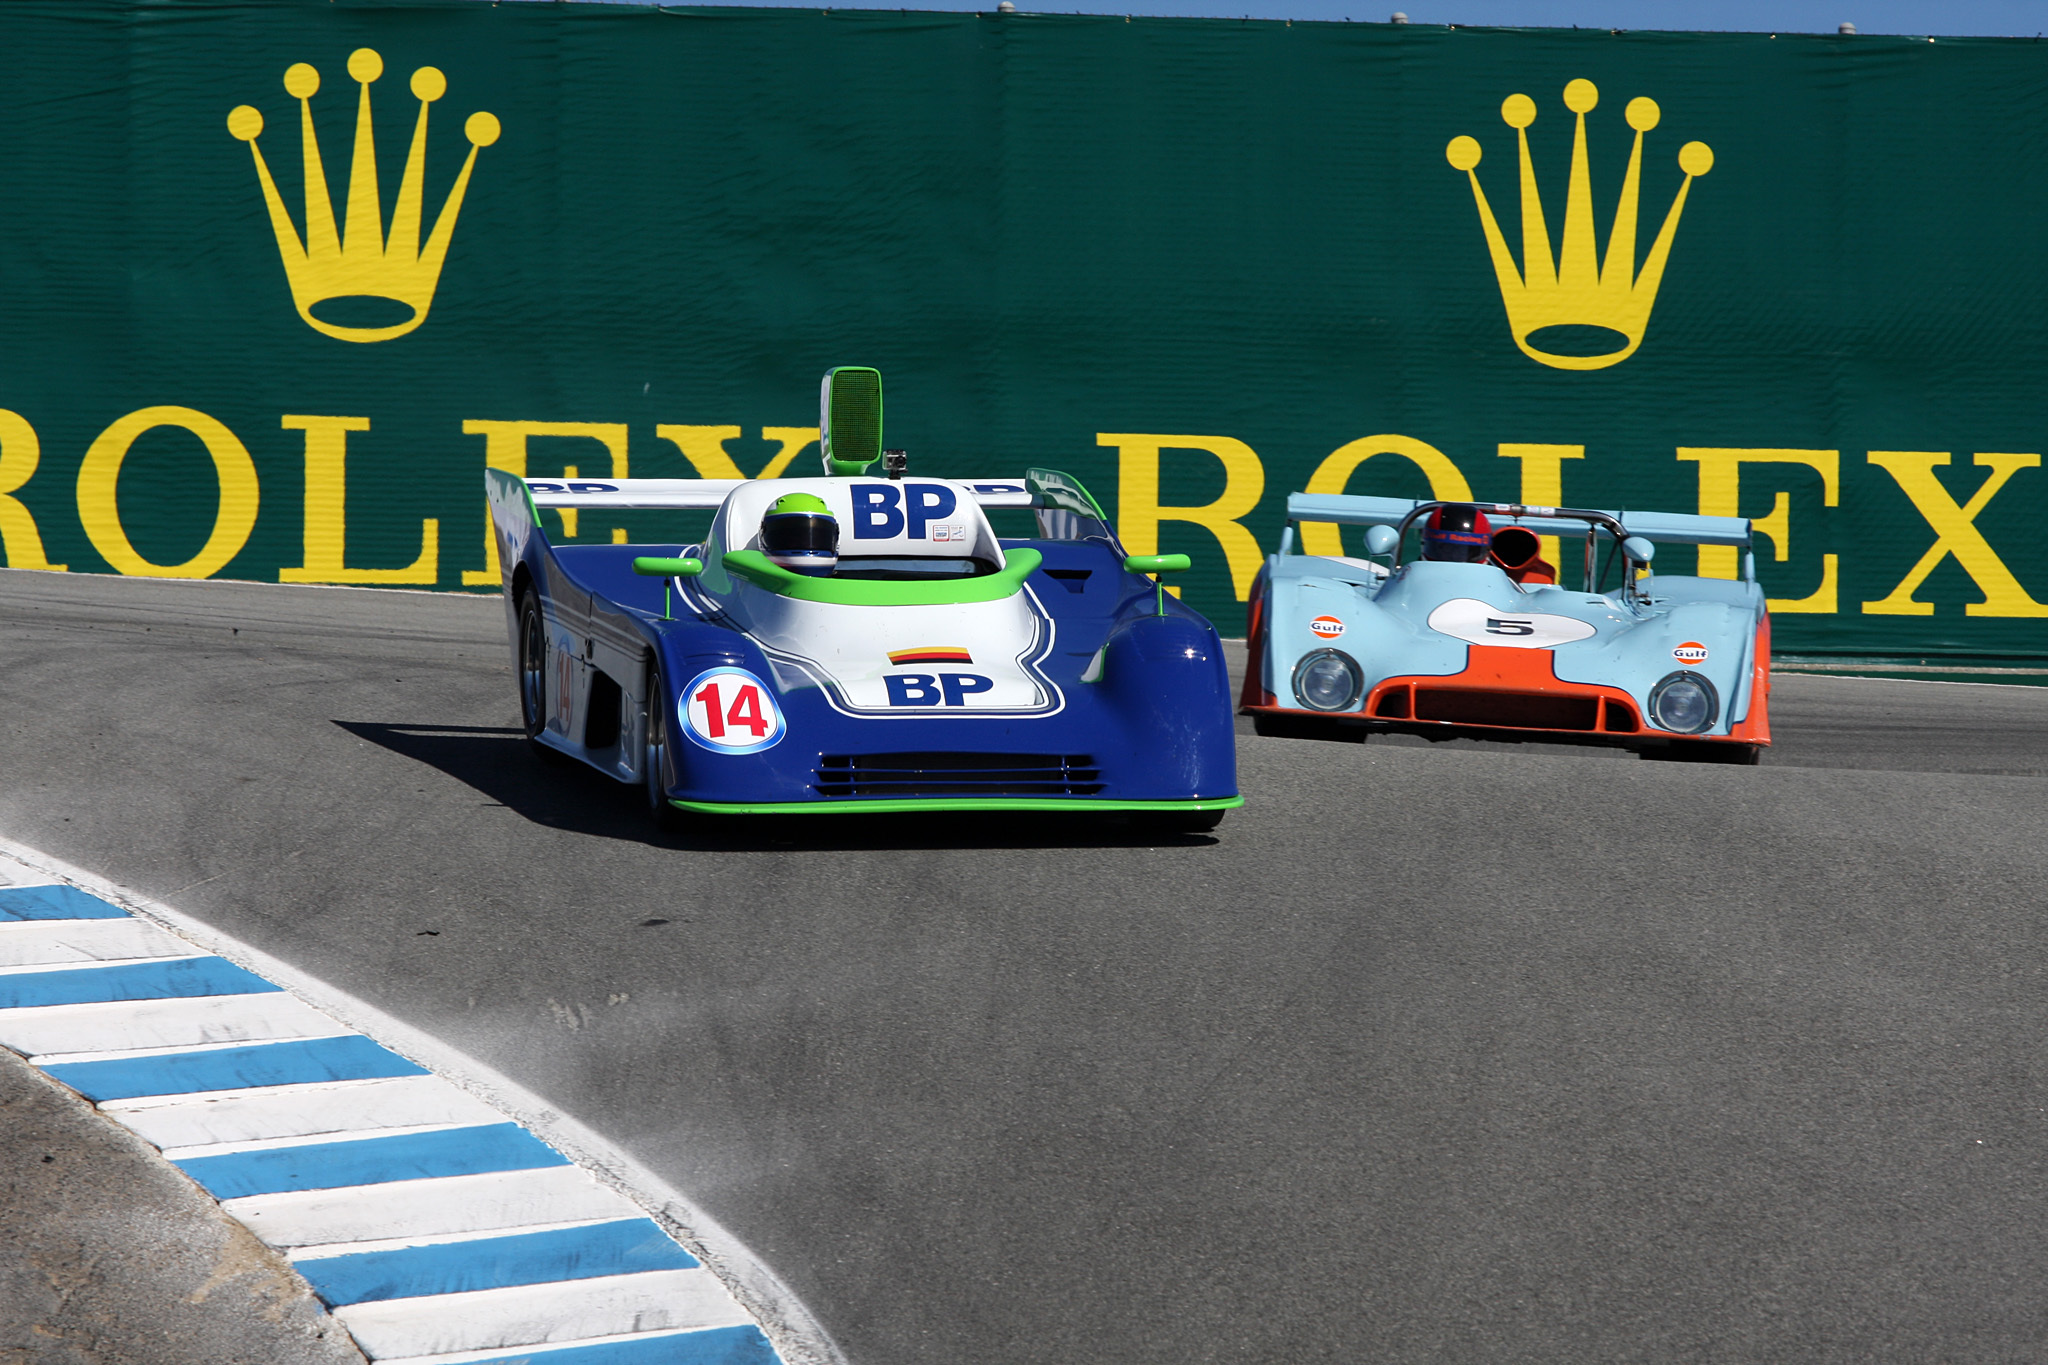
x=1458 y=532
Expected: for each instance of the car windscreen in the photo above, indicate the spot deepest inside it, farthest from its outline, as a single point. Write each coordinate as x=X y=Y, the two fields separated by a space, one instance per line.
x=913 y=568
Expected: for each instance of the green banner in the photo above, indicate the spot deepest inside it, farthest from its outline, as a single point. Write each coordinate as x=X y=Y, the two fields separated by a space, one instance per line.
x=278 y=281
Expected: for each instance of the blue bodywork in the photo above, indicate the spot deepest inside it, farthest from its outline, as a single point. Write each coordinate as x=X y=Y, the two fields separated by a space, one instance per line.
x=1142 y=721
x=1510 y=654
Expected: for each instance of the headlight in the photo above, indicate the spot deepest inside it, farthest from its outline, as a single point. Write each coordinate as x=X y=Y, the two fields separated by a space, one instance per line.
x=1327 y=680
x=1684 y=703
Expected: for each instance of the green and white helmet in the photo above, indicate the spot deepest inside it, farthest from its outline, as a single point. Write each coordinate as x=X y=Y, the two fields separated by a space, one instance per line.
x=800 y=533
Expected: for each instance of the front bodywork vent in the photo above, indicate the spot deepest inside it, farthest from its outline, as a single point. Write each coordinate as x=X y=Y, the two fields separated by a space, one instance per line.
x=1518 y=710
x=1504 y=709
x=957 y=774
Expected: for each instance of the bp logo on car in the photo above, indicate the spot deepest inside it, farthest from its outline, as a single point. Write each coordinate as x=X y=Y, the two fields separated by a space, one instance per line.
x=935 y=689
x=1691 y=652
x=730 y=711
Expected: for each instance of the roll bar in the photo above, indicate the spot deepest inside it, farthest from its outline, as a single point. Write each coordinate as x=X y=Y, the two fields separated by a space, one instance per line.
x=1681 y=528
x=1351 y=509
x=1595 y=522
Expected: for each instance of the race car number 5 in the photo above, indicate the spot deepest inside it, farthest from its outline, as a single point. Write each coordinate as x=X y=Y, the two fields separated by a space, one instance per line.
x=730 y=711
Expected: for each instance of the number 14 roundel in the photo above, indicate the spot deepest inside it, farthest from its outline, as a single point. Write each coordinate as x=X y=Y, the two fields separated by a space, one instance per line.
x=730 y=711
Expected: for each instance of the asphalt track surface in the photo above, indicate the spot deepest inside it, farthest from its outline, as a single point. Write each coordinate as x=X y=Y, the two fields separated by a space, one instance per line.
x=1432 y=1053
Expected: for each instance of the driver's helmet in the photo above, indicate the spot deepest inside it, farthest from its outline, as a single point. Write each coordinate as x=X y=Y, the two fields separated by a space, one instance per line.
x=800 y=534
x=1458 y=532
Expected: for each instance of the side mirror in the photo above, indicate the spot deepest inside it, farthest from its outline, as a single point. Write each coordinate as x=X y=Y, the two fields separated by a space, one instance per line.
x=654 y=566
x=850 y=419
x=1638 y=549
x=1158 y=564
x=1381 y=540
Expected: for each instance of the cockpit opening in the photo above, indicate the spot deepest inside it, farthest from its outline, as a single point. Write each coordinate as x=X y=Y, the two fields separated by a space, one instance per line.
x=911 y=568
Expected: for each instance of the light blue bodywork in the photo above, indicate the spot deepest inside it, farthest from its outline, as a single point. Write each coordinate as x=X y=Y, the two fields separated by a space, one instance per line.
x=1634 y=632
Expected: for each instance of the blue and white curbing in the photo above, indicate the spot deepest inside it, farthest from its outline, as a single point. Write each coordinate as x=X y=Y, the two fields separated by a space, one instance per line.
x=444 y=1215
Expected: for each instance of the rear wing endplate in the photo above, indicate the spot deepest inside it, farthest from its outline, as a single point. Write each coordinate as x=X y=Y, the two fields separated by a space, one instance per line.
x=1665 y=528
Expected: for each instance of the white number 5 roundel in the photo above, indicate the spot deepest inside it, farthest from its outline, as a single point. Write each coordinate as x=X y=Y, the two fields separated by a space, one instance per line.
x=730 y=711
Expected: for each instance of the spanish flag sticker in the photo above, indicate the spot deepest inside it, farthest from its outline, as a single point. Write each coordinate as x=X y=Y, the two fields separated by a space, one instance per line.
x=943 y=654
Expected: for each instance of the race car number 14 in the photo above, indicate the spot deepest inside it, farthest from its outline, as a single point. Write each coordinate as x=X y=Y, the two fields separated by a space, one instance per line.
x=730 y=711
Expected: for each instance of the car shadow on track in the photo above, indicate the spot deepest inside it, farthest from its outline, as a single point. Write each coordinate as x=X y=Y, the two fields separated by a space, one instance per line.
x=497 y=762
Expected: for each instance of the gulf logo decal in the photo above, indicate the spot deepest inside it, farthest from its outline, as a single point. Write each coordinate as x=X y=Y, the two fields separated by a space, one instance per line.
x=1327 y=627
x=1691 y=652
x=730 y=711
x=937 y=654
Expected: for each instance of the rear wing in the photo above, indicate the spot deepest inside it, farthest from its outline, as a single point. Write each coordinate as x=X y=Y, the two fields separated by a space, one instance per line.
x=1664 y=528
x=662 y=494
x=706 y=494
x=1063 y=509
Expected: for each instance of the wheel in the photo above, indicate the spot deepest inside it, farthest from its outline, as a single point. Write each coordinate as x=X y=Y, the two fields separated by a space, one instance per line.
x=1706 y=751
x=654 y=754
x=1183 y=822
x=1305 y=727
x=533 y=678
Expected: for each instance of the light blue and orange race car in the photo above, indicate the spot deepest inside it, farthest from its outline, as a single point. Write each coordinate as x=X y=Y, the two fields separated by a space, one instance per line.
x=1476 y=636
x=854 y=642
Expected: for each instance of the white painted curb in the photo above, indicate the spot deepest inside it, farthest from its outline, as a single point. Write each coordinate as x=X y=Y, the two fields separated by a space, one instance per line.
x=542 y=1319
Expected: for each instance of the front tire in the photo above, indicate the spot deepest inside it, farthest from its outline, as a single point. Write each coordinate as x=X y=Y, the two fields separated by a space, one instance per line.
x=1707 y=751
x=1272 y=726
x=655 y=754
x=1183 y=822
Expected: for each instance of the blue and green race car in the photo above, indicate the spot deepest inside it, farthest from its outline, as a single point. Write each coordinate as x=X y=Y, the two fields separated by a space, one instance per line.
x=854 y=642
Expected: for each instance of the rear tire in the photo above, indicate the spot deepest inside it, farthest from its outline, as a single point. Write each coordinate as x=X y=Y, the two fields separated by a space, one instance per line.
x=533 y=679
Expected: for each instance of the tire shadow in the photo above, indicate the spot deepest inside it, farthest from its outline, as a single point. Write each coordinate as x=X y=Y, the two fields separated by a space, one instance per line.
x=497 y=762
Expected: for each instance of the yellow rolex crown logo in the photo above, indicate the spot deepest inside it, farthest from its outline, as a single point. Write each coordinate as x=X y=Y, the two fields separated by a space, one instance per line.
x=360 y=261
x=1575 y=289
